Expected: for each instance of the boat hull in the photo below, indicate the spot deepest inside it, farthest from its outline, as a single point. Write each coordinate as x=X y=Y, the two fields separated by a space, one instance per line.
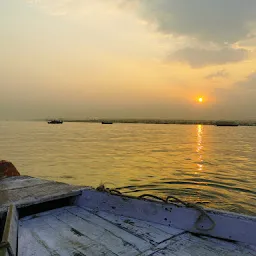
x=55 y=122
x=226 y=123
x=62 y=219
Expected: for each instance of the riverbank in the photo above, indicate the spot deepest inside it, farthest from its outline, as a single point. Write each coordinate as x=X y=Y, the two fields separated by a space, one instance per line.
x=159 y=121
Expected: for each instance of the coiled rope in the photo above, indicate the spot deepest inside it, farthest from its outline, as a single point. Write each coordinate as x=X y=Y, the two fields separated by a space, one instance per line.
x=168 y=200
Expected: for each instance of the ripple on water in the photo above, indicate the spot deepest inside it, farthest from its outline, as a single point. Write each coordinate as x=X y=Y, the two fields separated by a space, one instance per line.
x=195 y=163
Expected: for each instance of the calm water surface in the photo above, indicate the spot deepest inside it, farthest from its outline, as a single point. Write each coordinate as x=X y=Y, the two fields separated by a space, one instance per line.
x=215 y=166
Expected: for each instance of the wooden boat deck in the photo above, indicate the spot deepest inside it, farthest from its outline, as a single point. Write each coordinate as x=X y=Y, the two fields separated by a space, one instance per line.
x=76 y=231
x=97 y=223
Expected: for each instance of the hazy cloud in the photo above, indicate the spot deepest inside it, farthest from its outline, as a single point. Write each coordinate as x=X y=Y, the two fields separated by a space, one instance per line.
x=248 y=84
x=242 y=92
x=218 y=74
x=217 y=22
x=249 y=42
x=238 y=102
x=80 y=7
x=198 y=58
x=209 y=20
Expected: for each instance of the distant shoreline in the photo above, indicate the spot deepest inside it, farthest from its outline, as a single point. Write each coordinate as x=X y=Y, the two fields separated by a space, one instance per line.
x=159 y=121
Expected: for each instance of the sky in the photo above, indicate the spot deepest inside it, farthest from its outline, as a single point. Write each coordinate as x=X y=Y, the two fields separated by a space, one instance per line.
x=128 y=59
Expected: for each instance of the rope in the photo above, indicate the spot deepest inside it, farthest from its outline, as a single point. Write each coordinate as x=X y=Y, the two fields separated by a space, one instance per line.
x=8 y=247
x=202 y=212
x=149 y=195
x=176 y=199
x=102 y=188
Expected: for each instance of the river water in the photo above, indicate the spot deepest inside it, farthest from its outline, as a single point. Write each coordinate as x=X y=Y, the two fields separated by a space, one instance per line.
x=213 y=166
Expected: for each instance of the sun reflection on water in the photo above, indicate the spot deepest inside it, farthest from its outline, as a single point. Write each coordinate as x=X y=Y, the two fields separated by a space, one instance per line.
x=199 y=147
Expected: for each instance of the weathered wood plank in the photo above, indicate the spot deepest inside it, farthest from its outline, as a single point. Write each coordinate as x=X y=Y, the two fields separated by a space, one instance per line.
x=64 y=233
x=145 y=230
x=37 y=192
x=160 y=247
x=13 y=178
x=167 y=253
x=64 y=239
x=63 y=227
x=10 y=234
x=190 y=245
x=41 y=192
x=115 y=239
x=168 y=229
x=51 y=238
x=78 y=237
x=228 y=226
x=24 y=182
x=28 y=245
x=236 y=248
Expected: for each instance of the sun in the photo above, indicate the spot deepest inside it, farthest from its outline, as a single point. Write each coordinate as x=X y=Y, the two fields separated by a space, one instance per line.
x=200 y=100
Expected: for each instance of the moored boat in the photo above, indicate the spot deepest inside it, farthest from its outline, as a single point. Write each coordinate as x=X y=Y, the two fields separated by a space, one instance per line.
x=51 y=218
x=106 y=122
x=55 y=122
x=226 y=123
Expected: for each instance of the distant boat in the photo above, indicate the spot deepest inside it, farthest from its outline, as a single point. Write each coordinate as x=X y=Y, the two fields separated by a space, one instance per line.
x=106 y=122
x=55 y=122
x=226 y=123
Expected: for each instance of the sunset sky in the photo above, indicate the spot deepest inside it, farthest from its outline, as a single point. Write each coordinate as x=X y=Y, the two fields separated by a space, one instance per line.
x=128 y=59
